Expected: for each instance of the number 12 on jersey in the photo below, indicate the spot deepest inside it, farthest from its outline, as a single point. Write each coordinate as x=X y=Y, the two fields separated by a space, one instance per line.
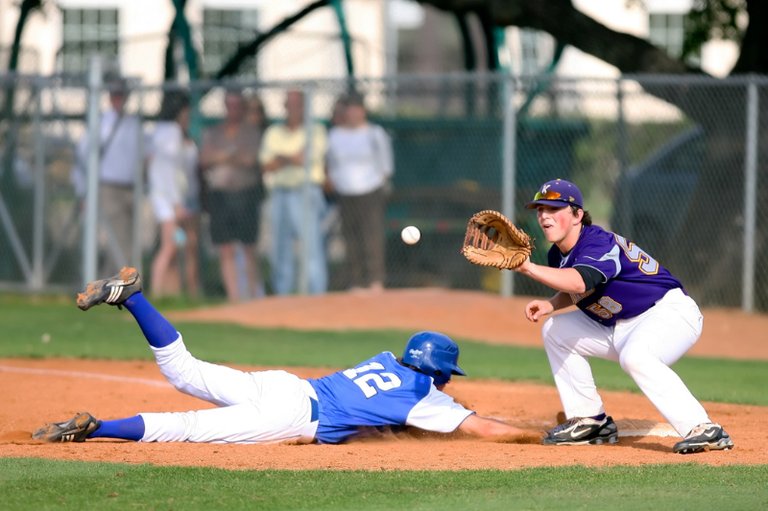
x=377 y=379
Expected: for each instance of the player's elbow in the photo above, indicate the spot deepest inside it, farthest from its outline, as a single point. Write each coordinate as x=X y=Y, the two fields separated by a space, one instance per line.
x=576 y=281
x=579 y=287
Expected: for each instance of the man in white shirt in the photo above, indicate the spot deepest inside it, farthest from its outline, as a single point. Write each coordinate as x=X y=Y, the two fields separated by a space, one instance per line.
x=118 y=163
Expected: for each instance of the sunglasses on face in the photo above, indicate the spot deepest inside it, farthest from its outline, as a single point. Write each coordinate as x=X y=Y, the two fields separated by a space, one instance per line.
x=548 y=195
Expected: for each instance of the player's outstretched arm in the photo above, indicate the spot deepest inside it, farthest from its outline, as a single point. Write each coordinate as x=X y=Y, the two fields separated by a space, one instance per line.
x=484 y=427
x=567 y=280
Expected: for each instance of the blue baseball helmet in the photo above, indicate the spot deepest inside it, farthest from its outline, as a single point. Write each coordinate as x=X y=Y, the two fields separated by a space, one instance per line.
x=433 y=354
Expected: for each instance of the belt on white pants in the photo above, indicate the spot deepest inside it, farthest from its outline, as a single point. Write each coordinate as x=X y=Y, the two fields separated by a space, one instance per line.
x=310 y=429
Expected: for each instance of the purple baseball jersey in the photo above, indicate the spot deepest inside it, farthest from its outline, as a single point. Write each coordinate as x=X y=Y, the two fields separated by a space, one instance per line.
x=632 y=280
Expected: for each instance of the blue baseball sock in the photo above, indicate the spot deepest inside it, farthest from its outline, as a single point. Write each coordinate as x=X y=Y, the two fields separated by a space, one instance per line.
x=131 y=428
x=158 y=331
x=598 y=417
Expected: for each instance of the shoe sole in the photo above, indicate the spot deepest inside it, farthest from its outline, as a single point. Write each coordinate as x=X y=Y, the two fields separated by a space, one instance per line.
x=706 y=447
x=90 y=297
x=612 y=439
x=55 y=432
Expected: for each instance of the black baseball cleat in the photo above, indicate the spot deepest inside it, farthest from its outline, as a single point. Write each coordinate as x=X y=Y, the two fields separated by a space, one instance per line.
x=114 y=290
x=704 y=437
x=583 y=431
x=76 y=429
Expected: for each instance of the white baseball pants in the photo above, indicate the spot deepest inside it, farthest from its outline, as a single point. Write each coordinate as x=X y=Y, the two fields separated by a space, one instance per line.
x=645 y=346
x=265 y=406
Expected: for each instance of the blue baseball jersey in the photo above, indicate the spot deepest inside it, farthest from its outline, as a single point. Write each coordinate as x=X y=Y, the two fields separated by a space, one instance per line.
x=632 y=280
x=381 y=393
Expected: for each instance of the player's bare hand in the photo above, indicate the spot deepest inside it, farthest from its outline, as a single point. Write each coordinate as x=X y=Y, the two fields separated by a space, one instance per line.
x=538 y=308
x=523 y=267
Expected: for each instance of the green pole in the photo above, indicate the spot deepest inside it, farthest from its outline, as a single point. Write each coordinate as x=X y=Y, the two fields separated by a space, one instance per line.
x=466 y=39
x=181 y=27
x=470 y=62
x=344 y=33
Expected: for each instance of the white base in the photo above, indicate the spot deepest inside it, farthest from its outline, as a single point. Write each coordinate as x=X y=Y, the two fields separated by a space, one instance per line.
x=639 y=427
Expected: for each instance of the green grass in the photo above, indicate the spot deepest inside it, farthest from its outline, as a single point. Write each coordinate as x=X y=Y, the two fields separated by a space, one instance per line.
x=33 y=484
x=106 y=332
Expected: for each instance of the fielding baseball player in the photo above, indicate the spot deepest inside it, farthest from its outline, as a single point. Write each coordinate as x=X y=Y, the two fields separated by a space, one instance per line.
x=632 y=311
x=382 y=393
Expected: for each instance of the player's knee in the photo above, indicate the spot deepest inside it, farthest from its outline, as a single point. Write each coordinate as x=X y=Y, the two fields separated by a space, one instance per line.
x=546 y=328
x=180 y=372
x=636 y=360
x=174 y=377
x=550 y=332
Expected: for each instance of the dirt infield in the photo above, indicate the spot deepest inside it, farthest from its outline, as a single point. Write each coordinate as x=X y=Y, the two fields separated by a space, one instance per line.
x=38 y=391
x=728 y=333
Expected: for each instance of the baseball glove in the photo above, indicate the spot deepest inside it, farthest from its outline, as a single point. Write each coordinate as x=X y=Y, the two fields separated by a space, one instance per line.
x=493 y=240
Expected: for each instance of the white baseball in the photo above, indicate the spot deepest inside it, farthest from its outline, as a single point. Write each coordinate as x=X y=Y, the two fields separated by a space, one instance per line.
x=411 y=235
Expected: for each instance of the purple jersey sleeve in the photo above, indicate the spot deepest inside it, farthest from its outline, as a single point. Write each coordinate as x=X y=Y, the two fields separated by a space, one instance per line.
x=633 y=281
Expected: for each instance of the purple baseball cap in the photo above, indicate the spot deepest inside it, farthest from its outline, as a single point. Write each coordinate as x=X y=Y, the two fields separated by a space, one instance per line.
x=558 y=194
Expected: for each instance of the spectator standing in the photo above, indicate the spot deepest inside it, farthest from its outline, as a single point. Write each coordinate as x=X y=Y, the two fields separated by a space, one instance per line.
x=282 y=158
x=255 y=114
x=337 y=112
x=331 y=223
x=175 y=193
x=119 y=158
x=229 y=159
x=360 y=165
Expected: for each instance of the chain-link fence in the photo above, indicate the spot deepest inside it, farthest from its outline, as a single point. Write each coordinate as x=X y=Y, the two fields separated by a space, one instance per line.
x=232 y=201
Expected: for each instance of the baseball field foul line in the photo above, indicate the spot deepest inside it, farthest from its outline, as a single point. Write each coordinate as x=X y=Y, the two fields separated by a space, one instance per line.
x=76 y=374
x=627 y=427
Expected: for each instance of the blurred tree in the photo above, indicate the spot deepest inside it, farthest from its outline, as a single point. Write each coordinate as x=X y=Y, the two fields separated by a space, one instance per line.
x=708 y=19
x=709 y=259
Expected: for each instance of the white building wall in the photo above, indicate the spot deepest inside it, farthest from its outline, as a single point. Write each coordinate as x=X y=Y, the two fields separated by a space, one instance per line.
x=311 y=49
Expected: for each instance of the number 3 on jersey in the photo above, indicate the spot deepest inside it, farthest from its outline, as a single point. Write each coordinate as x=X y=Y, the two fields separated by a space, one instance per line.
x=364 y=381
x=645 y=262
